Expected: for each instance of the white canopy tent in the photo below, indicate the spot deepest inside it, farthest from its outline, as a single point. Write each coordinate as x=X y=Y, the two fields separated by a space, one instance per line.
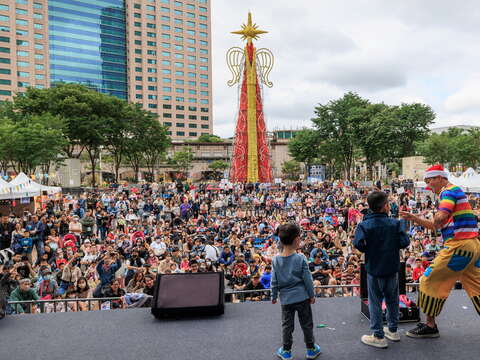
x=469 y=181
x=22 y=186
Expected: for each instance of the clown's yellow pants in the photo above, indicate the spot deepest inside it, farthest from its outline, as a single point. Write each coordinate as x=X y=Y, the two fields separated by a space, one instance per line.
x=458 y=260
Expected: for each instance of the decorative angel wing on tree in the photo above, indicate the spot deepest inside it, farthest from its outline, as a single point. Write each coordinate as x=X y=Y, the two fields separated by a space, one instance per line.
x=265 y=65
x=250 y=68
x=235 y=60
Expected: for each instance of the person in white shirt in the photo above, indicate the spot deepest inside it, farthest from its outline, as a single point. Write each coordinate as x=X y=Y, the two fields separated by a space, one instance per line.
x=158 y=246
x=211 y=252
x=131 y=216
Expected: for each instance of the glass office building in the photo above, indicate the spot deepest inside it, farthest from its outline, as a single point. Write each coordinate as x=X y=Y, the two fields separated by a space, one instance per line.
x=87 y=43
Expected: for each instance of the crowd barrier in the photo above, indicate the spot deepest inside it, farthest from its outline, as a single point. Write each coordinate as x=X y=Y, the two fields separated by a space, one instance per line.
x=47 y=306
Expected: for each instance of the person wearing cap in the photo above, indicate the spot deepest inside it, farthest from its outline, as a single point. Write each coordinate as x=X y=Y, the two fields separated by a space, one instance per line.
x=256 y=285
x=458 y=260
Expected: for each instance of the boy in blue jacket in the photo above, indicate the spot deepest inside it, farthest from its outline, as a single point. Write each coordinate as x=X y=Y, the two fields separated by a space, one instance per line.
x=381 y=239
x=292 y=278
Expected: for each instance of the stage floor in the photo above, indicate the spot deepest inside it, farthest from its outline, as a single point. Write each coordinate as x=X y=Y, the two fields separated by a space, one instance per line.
x=246 y=331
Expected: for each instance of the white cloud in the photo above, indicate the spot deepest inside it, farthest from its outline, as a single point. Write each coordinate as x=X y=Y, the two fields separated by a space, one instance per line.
x=394 y=52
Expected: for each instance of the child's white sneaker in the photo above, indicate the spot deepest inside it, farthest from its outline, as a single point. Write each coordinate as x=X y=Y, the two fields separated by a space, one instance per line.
x=393 y=336
x=372 y=340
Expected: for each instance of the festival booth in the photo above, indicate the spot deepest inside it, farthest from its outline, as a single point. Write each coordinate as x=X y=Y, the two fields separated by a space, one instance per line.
x=469 y=181
x=23 y=194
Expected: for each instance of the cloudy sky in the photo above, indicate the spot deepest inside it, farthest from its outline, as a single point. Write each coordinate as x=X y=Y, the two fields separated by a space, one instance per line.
x=392 y=51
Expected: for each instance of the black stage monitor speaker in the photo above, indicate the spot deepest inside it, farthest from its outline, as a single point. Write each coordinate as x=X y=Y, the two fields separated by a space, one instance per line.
x=188 y=294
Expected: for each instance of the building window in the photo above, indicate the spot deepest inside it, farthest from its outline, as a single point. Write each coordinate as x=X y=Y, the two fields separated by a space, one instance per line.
x=192 y=134
x=138 y=33
x=179 y=99
x=5 y=92
x=152 y=97
x=138 y=51
x=204 y=93
x=165 y=18
x=167 y=89
x=4 y=39
x=138 y=78
x=179 y=82
x=23 y=74
x=191 y=32
x=203 y=43
x=151 y=70
x=22 y=53
x=151 y=34
x=202 y=9
x=165 y=9
x=202 y=17
x=166 y=80
x=180 y=116
x=165 y=45
x=180 y=107
x=180 y=133
x=152 y=79
x=138 y=69
x=180 y=124
x=178 y=38
x=191 y=23
x=167 y=123
x=3 y=7
x=179 y=90
x=178 y=21
x=192 y=126
x=192 y=117
x=192 y=66
x=177 y=3
x=191 y=49
x=192 y=100
x=21 y=11
x=205 y=118
x=166 y=98
x=192 y=83
x=138 y=96
x=204 y=110
x=137 y=6
x=137 y=24
x=39 y=67
x=151 y=61
x=166 y=71
x=204 y=101
x=191 y=15
x=204 y=60
x=152 y=52
x=178 y=56
x=166 y=62
x=37 y=16
x=166 y=106
x=204 y=126
x=152 y=106
x=152 y=88
x=192 y=75
x=178 y=30
x=150 y=8
x=5 y=71
x=203 y=76
x=165 y=53
x=150 y=25
x=138 y=42
x=179 y=73
x=178 y=12
x=5 y=50
x=138 y=87
x=165 y=27
x=179 y=64
x=166 y=36
x=23 y=63
x=178 y=47
x=191 y=41
x=6 y=82
x=203 y=26
x=167 y=115
x=192 y=108
x=204 y=51
x=21 y=22
x=38 y=56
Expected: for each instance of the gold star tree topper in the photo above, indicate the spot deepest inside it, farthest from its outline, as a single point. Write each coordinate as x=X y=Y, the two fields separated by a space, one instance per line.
x=249 y=31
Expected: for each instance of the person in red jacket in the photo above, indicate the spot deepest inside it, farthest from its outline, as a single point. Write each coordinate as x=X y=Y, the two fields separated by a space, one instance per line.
x=418 y=271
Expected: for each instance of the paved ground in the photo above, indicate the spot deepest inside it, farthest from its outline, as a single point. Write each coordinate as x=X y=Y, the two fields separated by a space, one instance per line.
x=246 y=331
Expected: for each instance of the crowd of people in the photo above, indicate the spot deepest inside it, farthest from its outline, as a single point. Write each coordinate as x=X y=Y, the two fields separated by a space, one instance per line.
x=113 y=243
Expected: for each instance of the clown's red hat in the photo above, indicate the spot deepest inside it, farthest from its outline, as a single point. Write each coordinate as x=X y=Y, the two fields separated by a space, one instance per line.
x=434 y=171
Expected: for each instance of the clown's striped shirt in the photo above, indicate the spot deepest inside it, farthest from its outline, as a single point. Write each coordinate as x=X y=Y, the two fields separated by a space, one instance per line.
x=462 y=223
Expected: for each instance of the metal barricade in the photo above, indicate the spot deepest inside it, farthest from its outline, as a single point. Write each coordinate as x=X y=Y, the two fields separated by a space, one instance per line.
x=61 y=305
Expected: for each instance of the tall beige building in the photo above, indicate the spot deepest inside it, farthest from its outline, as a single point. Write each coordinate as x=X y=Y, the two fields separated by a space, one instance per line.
x=23 y=46
x=153 y=52
x=169 y=62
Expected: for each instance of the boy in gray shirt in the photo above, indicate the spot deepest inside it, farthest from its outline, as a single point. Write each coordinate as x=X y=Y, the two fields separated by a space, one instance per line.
x=292 y=278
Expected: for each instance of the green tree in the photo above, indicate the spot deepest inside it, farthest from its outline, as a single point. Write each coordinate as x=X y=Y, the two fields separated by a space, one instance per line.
x=305 y=146
x=291 y=169
x=156 y=142
x=182 y=160
x=218 y=166
x=209 y=138
x=32 y=144
x=336 y=124
x=135 y=147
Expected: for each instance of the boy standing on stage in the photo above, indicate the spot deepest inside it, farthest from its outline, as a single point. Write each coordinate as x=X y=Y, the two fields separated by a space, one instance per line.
x=292 y=278
x=381 y=239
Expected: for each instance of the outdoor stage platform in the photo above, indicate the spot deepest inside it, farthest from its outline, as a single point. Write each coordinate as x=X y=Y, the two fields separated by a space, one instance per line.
x=246 y=331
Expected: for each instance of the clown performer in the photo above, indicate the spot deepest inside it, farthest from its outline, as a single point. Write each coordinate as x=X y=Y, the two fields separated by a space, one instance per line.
x=458 y=260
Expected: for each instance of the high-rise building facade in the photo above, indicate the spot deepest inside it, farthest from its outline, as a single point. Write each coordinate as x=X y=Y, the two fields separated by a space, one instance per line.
x=23 y=46
x=169 y=52
x=153 y=52
x=87 y=44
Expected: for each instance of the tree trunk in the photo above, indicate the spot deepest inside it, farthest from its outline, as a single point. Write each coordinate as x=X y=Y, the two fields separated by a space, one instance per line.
x=93 y=162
